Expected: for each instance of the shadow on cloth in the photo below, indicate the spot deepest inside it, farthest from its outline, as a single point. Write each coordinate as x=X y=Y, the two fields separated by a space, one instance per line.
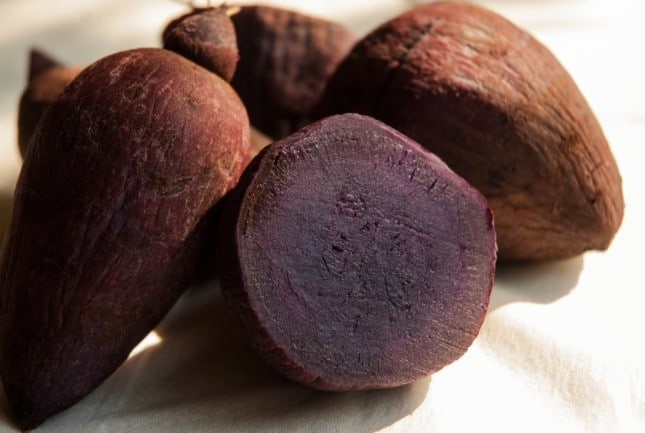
x=204 y=376
x=541 y=283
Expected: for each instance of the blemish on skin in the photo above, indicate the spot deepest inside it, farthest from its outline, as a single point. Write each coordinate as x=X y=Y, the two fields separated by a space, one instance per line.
x=136 y=91
x=190 y=103
x=350 y=204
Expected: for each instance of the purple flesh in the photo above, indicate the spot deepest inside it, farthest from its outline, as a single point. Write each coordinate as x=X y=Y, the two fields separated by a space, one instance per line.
x=361 y=260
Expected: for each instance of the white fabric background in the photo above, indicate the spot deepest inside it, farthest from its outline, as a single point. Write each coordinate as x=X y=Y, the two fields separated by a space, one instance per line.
x=562 y=348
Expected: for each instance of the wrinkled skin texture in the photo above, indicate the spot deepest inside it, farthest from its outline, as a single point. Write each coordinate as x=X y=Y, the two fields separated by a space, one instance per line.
x=207 y=37
x=47 y=80
x=501 y=111
x=354 y=258
x=285 y=60
x=104 y=240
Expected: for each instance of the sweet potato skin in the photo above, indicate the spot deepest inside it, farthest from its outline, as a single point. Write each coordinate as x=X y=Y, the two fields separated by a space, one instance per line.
x=285 y=60
x=501 y=111
x=207 y=37
x=104 y=240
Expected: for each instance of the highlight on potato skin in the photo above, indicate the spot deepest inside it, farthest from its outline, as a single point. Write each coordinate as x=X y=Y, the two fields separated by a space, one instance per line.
x=112 y=210
x=501 y=111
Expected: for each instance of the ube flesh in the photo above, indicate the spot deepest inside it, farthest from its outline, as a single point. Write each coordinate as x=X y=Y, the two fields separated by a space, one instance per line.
x=360 y=260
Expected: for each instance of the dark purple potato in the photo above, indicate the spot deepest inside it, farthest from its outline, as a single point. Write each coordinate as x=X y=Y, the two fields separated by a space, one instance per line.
x=47 y=79
x=207 y=37
x=360 y=260
x=502 y=112
x=103 y=240
x=285 y=60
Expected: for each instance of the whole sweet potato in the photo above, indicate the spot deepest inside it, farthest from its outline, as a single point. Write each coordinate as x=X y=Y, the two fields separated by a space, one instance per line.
x=111 y=207
x=501 y=111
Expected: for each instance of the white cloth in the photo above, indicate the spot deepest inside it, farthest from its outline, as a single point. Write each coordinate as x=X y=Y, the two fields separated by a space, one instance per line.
x=562 y=348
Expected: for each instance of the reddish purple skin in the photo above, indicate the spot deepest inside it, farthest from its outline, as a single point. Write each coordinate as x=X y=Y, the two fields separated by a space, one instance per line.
x=501 y=111
x=285 y=60
x=103 y=240
x=207 y=37
x=360 y=260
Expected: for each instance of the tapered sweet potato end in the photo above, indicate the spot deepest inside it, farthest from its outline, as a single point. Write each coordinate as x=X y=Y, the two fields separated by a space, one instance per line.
x=207 y=37
x=42 y=90
x=285 y=60
x=39 y=62
x=29 y=411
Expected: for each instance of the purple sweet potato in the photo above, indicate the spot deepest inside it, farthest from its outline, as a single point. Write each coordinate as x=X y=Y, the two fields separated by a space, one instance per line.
x=285 y=60
x=47 y=79
x=207 y=37
x=502 y=112
x=360 y=260
x=104 y=239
